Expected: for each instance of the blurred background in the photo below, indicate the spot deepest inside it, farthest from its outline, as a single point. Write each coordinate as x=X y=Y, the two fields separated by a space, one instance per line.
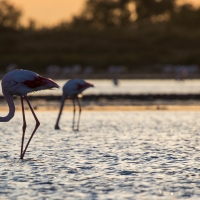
x=119 y=39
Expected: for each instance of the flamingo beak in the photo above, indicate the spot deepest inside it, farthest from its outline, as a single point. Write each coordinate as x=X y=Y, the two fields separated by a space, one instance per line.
x=52 y=84
x=89 y=85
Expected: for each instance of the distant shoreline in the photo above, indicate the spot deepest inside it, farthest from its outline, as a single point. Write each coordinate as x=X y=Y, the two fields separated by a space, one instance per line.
x=122 y=76
x=113 y=102
x=113 y=108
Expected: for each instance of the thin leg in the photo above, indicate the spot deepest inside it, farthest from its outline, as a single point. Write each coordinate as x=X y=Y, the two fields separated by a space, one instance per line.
x=36 y=125
x=79 y=113
x=74 y=111
x=23 y=127
x=61 y=108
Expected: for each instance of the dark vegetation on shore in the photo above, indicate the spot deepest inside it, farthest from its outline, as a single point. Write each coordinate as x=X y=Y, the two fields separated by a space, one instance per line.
x=106 y=33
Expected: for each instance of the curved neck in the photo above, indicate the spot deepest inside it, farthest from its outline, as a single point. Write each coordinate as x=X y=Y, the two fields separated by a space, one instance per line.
x=11 y=106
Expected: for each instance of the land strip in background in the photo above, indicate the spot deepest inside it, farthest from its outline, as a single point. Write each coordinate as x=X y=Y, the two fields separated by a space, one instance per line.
x=104 y=102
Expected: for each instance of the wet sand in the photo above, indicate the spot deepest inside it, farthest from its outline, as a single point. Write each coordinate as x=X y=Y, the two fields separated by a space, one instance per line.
x=129 y=108
x=114 y=108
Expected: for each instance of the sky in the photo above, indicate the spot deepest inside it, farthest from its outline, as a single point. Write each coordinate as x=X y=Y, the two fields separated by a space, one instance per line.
x=51 y=12
x=48 y=12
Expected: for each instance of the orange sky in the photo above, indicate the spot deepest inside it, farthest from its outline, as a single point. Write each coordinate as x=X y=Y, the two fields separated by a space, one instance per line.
x=50 y=12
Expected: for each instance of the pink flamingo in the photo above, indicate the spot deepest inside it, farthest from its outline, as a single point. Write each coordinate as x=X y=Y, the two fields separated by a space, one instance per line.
x=21 y=82
x=71 y=89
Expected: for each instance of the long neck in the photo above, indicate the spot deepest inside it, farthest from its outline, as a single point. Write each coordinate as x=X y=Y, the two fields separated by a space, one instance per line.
x=11 y=106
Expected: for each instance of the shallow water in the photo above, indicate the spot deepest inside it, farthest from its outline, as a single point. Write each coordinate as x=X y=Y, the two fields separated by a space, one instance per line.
x=133 y=87
x=115 y=155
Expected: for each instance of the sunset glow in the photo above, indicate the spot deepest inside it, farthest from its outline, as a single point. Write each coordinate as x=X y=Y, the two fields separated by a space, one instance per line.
x=194 y=2
x=51 y=12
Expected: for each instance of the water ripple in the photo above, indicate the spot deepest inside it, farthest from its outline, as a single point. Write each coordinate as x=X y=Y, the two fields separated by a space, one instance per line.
x=115 y=155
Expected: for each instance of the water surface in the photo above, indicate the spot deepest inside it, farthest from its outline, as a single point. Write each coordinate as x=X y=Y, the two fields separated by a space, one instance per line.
x=134 y=87
x=115 y=155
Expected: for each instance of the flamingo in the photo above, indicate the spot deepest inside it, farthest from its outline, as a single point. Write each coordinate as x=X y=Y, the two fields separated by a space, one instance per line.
x=21 y=82
x=71 y=89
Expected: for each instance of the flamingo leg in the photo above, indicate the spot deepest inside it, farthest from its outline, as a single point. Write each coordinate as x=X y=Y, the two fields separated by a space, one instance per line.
x=36 y=125
x=61 y=109
x=74 y=111
x=79 y=113
x=23 y=127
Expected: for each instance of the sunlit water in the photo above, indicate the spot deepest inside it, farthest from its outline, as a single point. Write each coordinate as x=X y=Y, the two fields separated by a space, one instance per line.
x=115 y=155
x=137 y=87
x=134 y=87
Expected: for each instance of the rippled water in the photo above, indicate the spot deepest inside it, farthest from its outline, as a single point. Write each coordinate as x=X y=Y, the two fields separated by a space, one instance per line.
x=115 y=155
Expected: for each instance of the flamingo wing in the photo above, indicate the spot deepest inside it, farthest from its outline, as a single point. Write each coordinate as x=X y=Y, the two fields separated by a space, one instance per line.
x=21 y=82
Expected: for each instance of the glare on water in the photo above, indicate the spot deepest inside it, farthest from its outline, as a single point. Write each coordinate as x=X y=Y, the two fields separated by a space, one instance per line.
x=134 y=87
x=138 y=87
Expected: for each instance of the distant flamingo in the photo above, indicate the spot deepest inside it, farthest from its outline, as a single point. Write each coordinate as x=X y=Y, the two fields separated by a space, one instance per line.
x=22 y=82
x=71 y=89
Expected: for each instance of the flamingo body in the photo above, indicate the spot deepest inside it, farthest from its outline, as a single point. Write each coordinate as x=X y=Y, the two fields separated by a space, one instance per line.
x=22 y=82
x=71 y=89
